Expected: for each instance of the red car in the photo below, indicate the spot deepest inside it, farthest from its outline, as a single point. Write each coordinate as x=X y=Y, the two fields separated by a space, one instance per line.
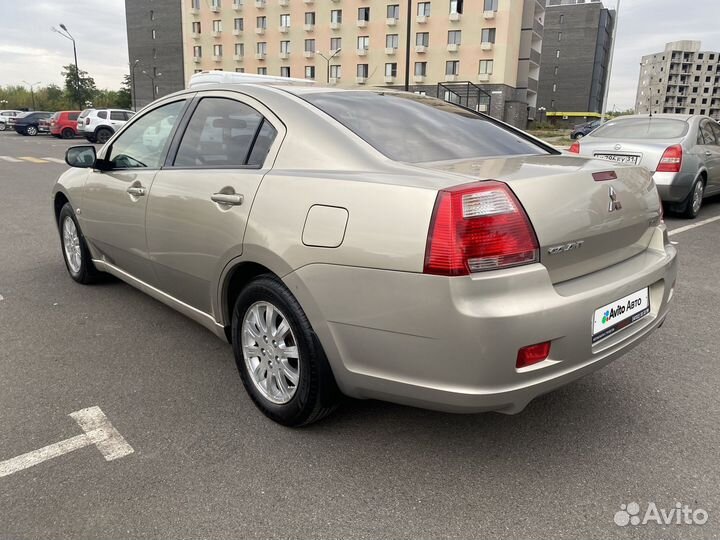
x=64 y=124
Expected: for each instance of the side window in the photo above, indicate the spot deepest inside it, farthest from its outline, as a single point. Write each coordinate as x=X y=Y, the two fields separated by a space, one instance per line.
x=707 y=133
x=73 y=116
x=262 y=144
x=143 y=143
x=102 y=114
x=716 y=130
x=220 y=134
x=118 y=115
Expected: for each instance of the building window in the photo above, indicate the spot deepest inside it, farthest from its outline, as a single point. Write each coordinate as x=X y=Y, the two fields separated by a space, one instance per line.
x=486 y=67
x=335 y=43
x=152 y=15
x=454 y=6
x=309 y=72
x=240 y=49
x=392 y=41
x=362 y=70
x=557 y=53
x=562 y=18
x=336 y=16
x=310 y=45
x=217 y=50
x=310 y=18
x=261 y=47
x=559 y=36
x=154 y=34
x=194 y=4
x=452 y=67
x=239 y=70
x=285 y=20
x=197 y=51
x=421 y=69
x=364 y=14
x=216 y=4
x=393 y=11
x=391 y=69
x=422 y=39
x=423 y=9
x=154 y=53
x=454 y=37
x=556 y=70
x=552 y=104
x=196 y=27
x=363 y=42
x=554 y=87
x=284 y=71
x=261 y=22
x=197 y=71
x=488 y=35
x=491 y=5
x=335 y=71
x=238 y=24
x=217 y=25
x=262 y=71
x=285 y=47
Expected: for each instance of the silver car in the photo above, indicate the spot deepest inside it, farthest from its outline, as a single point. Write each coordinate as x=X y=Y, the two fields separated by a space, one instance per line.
x=682 y=153
x=375 y=244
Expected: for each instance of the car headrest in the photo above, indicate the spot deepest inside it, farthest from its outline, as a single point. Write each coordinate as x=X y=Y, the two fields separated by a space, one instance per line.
x=229 y=123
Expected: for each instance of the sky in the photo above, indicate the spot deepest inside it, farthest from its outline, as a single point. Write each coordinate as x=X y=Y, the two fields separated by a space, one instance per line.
x=30 y=51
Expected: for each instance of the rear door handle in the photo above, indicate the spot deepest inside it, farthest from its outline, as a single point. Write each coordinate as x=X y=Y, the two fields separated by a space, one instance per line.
x=708 y=153
x=231 y=199
x=136 y=191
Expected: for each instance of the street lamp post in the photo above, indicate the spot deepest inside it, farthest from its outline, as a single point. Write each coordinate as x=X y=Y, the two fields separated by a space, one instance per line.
x=32 y=92
x=132 y=80
x=408 y=29
x=66 y=34
x=327 y=60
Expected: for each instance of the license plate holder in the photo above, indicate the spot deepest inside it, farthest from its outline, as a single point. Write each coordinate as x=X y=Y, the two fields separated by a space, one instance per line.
x=626 y=159
x=620 y=314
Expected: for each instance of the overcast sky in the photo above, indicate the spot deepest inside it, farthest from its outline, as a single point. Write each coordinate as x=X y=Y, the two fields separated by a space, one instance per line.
x=30 y=51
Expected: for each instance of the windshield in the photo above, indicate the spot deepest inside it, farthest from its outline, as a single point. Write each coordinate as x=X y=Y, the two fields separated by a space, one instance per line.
x=642 y=128
x=415 y=128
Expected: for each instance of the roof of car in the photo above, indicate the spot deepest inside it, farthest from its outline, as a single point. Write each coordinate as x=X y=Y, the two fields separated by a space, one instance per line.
x=685 y=117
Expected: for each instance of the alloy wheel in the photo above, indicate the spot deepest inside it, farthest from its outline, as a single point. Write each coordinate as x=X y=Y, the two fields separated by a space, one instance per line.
x=697 y=196
x=71 y=245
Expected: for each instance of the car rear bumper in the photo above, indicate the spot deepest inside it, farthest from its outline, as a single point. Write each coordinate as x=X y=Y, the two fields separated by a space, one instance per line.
x=451 y=343
x=673 y=187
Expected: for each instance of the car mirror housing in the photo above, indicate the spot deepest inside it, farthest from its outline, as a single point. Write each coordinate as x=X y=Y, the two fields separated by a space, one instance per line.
x=83 y=157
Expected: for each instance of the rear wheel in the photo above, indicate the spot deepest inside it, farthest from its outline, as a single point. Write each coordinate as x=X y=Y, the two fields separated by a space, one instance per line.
x=281 y=362
x=67 y=133
x=102 y=135
x=31 y=130
x=74 y=249
x=3 y=127
x=694 y=200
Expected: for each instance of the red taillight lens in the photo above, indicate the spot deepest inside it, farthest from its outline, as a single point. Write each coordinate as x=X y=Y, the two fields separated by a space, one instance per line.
x=575 y=148
x=477 y=227
x=532 y=354
x=671 y=160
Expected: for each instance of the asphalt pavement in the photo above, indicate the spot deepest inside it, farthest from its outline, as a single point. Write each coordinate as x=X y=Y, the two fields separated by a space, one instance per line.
x=206 y=463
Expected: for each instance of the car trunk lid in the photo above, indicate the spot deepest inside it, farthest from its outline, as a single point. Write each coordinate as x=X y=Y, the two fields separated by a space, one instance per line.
x=643 y=153
x=583 y=222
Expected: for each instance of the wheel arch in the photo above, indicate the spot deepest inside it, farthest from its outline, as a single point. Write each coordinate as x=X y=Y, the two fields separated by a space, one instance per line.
x=236 y=278
x=59 y=200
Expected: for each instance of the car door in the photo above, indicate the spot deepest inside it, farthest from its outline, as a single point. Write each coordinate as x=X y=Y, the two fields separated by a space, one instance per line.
x=117 y=119
x=112 y=213
x=709 y=153
x=713 y=184
x=200 y=201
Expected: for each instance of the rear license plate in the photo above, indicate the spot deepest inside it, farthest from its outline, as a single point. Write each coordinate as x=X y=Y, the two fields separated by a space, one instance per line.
x=620 y=314
x=619 y=158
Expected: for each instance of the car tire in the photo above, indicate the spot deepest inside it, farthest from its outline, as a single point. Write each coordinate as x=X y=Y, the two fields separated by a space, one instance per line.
x=693 y=203
x=67 y=133
x=74 y=249
x=31 y=131
x=3 y=127
x=264 y=308
x=90 y=139
x=102 y=135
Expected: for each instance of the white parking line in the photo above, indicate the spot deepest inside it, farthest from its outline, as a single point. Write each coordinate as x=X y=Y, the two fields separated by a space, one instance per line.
x=10 y=159
x=98 y=431
x=693 y=226
x=55 y=160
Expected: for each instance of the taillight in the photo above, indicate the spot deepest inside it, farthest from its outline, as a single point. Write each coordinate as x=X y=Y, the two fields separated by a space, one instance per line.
x=575 y=148
x=671 y=160
x=532 y=354
x=477 y=227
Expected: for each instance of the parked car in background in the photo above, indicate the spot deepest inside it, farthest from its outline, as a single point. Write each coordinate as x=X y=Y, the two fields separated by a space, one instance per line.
x=372 y=242
x=581 y=130
x=5 y=116
x=64 y=124
x=29 y=123
x=682 y=152
x=98 y=125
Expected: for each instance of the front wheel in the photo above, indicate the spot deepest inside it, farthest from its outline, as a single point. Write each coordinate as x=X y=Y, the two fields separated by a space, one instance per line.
x=281 y=362
x=74 y=249
x=694 y=200
x=103 y=135
x=31 y=130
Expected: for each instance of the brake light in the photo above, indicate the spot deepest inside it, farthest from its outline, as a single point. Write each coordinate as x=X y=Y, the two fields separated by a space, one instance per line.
x=532 y=354
x=477 y=227
x=575 y=148
x=671 y=160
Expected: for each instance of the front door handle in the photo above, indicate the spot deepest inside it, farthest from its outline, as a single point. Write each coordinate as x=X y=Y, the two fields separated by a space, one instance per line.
x=136 y=191
x=231 y=199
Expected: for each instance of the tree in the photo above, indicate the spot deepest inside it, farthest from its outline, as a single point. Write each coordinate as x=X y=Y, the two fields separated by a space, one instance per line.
x=124 y=95
x=79 y=86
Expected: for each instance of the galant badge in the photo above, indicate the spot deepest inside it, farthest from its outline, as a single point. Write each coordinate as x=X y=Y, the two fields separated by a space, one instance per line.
x=572 y=246
x=614 y=203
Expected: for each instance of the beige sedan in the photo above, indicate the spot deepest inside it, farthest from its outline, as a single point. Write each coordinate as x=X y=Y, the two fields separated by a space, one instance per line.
x=371 y=243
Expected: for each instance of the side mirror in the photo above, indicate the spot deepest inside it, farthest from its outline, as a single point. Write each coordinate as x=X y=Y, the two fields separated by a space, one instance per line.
x=81 y=156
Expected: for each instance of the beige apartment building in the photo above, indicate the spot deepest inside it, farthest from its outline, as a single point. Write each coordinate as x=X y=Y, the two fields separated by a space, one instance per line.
x=482 y=53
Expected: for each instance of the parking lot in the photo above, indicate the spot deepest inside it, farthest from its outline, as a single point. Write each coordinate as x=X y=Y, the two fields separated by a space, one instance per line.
x=199 y=460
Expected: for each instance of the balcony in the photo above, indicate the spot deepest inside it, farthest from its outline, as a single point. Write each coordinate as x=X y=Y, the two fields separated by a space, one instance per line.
x=195 y=35
x=362 y=23
x=260 y=4
x=488 y=15
x=309 y=54
x=217 y=58
x=334 y=80
x=418 y=78
x=237 y=6
x=389 y=79
x=420 y=49
x=238 y=57
x=532 y=84
x=391 y=21
x=308 y=27
x=335 y=52
x=421 y=19
x=360 y=80
x=194 y=11
x=196 y=59
x=284 y=55
x=215 y=8
x=335 y=25
x=535 y=57
x=308 y=1
x=260 y=56
x=486 y=46
x=453 y=47
x=259 y=31
x=454 y=17
x=450 y=77
x=362 y=52
x=484 y=77
x=284 y=29
x=390 y=50
x=237 y=32
x=284 y=3
x=216 y=33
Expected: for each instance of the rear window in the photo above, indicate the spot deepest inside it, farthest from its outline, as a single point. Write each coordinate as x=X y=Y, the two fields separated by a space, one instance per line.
x=642 y=128
x=85 y=113
x=415 y=128
x=73 y=116
x=102 y=114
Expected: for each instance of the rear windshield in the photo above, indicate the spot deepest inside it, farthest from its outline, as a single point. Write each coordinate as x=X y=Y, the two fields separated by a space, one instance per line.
x=73 y=116
x=85 y=113
x=642 y=128
x=415 y=128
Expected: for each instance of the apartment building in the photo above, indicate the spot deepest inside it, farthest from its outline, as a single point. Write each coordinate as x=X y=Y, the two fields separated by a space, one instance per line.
x=575 y=60
x=682 y=79
x=482 y=53
x=154 y=31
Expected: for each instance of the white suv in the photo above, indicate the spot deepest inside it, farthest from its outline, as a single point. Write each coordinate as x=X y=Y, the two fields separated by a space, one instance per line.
x=4 y=115
x=98 y=125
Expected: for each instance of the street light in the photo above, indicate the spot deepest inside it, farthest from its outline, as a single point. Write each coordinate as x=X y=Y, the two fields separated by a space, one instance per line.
x=32 y=92
x=132 y=80
x=327 y=60
x=152 y=81
x=66 y=34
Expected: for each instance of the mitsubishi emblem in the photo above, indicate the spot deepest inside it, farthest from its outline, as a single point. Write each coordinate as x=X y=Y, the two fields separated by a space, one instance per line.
x=614 y=203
